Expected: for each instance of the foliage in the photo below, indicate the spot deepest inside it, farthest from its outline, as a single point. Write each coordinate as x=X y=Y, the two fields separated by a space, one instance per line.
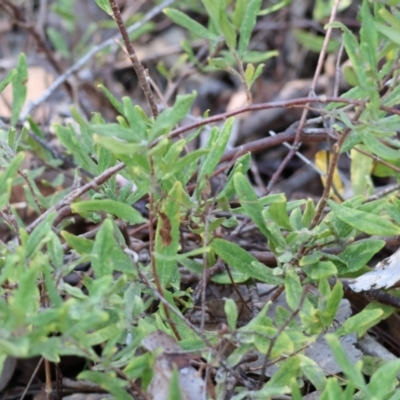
x=105 y=323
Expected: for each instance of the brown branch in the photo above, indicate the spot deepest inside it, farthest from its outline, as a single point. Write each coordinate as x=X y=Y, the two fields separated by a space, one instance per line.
x=145 y=84
x=311 y=94
x=67 y=200
x=299 y=102
x=136 y=64
x=331 y=171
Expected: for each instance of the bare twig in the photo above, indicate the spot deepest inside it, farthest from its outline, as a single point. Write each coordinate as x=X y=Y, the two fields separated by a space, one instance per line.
x=136 y=64
x=11 y=220
x=32 y=377
x=35 y=199
x=331 y=171
x=215 y=269
x=67 y=200
x=299 y=102
x=311 y=94
x=254 y=297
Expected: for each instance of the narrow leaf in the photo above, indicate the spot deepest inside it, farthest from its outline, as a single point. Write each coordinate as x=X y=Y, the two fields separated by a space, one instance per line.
x=293 y=289
x=348 y=368
x=19 y=88
x=116 y=208
x=183 y=20
x=247 y=26
x=239 y=259
x=251 y=204
x=167 y=236
x=364 y=222
x=7 y=79
x=112 y=99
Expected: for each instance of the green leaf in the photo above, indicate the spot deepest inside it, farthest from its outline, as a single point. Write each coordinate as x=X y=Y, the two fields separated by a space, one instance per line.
x=256 y=57
x=376 y=146
x=277 y=212
x=213 y=11
x=53 y=293
x=389 y=32
x=247 y=25
x=357 y=254
x=69 y=140
x=105 y=6
x=365 y=222
x=167 y=237
x=360 y=172
x=293 y=289
x=333 y=391
x=112 y=99
x=39 y=236
x=183 y=162
x=275 y=7
x=368 y=37
x=285 y=373
x=231 y=312
x=242 y=165
x=80 y=244
x=313 y=372
x=358 y=322
x=102 y=262
x=136 y=119
x=216 y=149
x=321 y=270
x=239 y=259
x=115 y=130
x=7 y=175
x=308 y=214
x=183 y=20
x=354 y=53
x=58 y=41
x=238 y=14
x=102 y=335
x=251 y=204
x=226 y=26
x=116 y=208
x=19 y=88
x=352 y=373
x=333 y=303
x=55 y=250
x=171 y=116
x=8 y=79
x=175 y=392
x=122 y=149
x=249 y=73
x=314 y=43
x=27 y=295
x=108 y=381
x=384 y=381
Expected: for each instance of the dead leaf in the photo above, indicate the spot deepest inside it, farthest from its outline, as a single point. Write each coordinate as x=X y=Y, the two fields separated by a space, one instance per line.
x=192 y=386
x=165 y=230
x=385 y=275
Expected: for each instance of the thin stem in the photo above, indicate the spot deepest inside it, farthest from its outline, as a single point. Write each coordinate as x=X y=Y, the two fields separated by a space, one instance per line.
x=329 y=178
x=299 y=102
x=296 y=144
x=136 y=64
x=67 y=200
